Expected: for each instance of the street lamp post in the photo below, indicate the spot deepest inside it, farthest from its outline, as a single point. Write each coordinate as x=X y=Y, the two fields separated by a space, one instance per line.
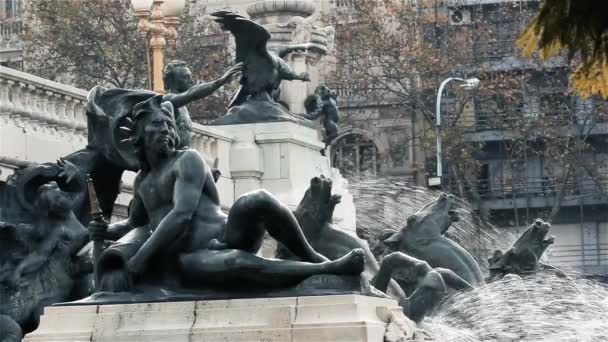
x=159 y=18
x=469 y=83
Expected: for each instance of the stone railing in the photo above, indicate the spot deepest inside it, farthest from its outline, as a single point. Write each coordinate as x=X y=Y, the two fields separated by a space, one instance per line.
x=9 y=34
x=10 y=27
x=213 y=144
x=40 y=120
x=40 y=101
x=343 y=3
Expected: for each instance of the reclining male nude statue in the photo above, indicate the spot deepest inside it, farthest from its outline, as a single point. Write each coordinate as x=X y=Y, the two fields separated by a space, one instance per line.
x=176 y=236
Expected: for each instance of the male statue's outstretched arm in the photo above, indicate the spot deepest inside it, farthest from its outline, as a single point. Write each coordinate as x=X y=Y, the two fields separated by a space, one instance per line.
x=202 y=90
x=190 y=175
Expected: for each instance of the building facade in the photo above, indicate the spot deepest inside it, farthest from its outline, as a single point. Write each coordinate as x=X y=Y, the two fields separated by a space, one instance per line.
x=520 y=122
x=11 y=12
x=543 y=150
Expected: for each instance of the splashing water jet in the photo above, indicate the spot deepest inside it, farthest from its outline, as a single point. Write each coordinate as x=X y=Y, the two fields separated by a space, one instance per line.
x=546 y=306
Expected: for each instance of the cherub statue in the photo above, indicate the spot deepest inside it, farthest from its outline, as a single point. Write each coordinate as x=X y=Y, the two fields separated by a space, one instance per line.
x=181 y=90
x=322 y=104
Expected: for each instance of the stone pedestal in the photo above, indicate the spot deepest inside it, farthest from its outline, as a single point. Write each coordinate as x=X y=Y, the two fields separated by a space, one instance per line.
x=282 y=157
x=349 y=318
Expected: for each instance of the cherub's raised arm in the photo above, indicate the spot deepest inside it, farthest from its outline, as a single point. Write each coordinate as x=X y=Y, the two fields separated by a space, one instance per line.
x=202 y=90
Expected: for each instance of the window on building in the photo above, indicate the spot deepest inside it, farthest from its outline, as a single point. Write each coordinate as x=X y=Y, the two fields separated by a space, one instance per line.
x=557 y=106
x=399 y=146
x=11 y=8
x=497 y=29
x=498 y=111
x=434 y=34
x=356 y=156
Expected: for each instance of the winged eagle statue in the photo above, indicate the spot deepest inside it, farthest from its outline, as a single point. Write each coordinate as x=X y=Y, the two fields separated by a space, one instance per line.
x=262 y=73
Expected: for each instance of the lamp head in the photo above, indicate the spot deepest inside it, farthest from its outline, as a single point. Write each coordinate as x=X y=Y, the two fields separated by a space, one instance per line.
x=471 y=83
x=141 y=5
x=173 y=8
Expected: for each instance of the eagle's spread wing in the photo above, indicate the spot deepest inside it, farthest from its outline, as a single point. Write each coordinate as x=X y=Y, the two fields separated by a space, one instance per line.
x=250 y=37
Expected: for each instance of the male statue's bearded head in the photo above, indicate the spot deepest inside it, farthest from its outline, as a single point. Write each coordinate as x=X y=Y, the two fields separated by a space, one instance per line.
x=154 y=131
x=177 y=76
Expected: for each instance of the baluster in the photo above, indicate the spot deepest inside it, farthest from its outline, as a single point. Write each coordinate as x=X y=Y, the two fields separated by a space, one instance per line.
x=69 y=112
x=37 y=102
x=214 y=148
x=59 y=101
x=41 y=106
x=80 y=116
x=33 y=118
x=17 y=100
x=195 y=141
x=50 y=109
x=206 y=149
x=5 y=102
x=23 y=115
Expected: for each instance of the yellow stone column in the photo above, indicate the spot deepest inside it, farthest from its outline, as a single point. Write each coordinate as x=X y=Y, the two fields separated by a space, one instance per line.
x=157 y=44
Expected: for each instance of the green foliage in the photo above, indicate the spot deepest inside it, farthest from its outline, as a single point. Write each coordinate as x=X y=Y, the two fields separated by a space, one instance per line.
x=95 y=42
x=85 y=43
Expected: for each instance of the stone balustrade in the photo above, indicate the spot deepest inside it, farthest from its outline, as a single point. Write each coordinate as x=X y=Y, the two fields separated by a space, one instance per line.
x=210 y=141
x=41 y=102
x=9 y=34
x=213 y=144
x=343 y=3
x=40 y=120
x=10 y=27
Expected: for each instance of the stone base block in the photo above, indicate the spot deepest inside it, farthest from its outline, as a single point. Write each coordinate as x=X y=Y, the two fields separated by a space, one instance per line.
x=349 y=318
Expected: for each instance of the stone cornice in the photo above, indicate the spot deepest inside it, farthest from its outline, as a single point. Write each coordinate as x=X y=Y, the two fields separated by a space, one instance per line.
x=302 y=8
x=211 y=132
x=19 y=76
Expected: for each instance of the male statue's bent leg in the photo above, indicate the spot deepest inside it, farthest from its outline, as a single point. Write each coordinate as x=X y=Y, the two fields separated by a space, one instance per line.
x=235 y=263
x=256 y=211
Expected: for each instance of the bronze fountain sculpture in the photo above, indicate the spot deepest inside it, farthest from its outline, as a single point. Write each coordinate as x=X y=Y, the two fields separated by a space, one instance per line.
x=177 y=243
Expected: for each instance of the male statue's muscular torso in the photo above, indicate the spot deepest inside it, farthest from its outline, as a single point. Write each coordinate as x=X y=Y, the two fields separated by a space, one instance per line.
x=157 y=189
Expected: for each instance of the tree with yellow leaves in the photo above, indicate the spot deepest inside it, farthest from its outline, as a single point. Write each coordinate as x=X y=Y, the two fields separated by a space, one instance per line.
x=579 y=26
